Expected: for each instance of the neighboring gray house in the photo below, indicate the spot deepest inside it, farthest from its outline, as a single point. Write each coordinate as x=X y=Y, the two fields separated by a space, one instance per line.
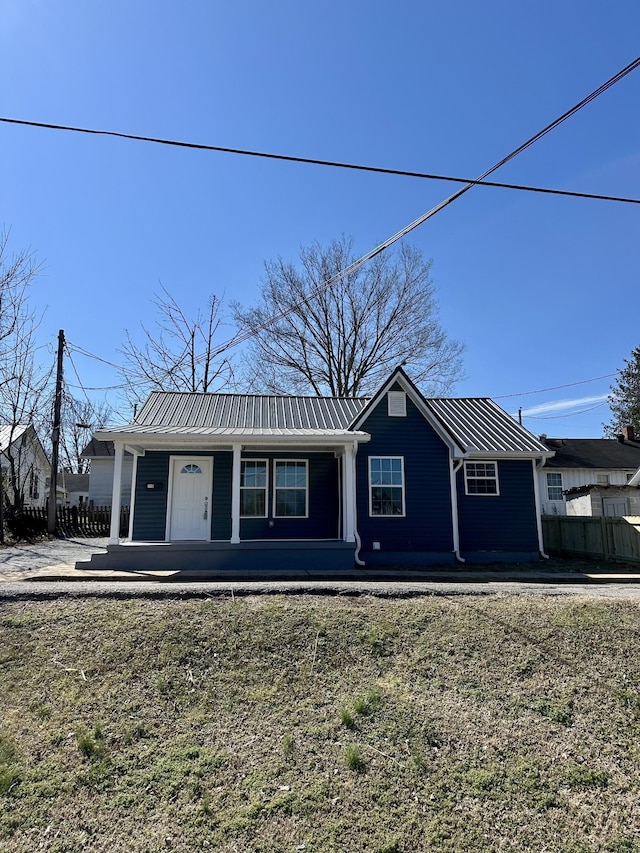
x=75 y=488
x=591 y=476
x=101 y=455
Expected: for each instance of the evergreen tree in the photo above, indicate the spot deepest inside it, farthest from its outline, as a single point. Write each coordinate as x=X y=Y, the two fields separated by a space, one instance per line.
x=624 y=400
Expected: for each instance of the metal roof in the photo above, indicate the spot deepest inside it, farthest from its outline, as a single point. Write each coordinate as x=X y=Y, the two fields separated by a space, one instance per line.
x=475 y=425
x=248 y=411
x=10 y=433
x=479 y=424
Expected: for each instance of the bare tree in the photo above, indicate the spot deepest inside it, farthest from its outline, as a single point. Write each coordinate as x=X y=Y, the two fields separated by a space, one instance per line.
x=344 y=339
x=179 y=354
x=21 y=405
x=23 y=380
x=79 y=420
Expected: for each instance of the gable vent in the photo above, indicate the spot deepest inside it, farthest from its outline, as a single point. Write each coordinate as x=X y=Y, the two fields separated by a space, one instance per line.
x=397 y=404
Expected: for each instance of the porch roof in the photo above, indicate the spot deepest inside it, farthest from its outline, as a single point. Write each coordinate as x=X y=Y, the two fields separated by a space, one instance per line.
x=139 y=433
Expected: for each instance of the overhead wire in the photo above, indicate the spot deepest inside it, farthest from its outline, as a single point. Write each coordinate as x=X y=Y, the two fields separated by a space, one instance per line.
x=553 y=387
x=355 y=265
x=568 y=415
x=313 y=161
x=242 y=337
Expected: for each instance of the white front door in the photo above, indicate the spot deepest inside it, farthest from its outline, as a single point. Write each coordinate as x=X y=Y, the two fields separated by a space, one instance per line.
x=190 y=500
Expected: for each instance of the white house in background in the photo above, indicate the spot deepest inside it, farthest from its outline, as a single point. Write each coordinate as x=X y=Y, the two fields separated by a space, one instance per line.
x=22 y=457
x=101 y=455
x=592 y=476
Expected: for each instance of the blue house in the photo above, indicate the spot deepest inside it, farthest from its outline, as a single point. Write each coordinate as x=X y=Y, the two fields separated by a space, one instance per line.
x=244 y=482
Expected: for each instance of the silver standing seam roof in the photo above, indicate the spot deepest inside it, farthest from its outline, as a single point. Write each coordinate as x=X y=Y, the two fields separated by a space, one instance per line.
x=248 y=411
x=475 y=425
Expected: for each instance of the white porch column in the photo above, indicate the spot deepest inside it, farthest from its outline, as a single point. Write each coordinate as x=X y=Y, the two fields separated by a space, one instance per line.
x=132 y=499
x=235 y=495
x=349 y=493
x=114 y=533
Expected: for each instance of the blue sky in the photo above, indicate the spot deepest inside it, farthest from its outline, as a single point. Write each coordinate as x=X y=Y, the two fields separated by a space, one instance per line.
x=543 y=291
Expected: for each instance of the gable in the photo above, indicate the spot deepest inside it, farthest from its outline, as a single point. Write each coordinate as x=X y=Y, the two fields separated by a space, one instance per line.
x=468 y=426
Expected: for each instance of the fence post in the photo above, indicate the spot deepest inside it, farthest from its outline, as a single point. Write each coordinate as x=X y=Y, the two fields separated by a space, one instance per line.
x=605 y=537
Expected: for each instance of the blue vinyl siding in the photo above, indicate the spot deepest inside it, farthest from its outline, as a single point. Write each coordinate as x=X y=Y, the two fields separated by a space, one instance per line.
x=149 y=524
x=150 y=511
x=427 y=525
x=323 y=502
x=504 y=522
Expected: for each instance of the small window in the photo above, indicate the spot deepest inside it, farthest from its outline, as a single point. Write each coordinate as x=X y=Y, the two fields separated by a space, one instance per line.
x=481 y=478
x=386 y=486
x=191 y=469
x=397 y=404
x=602 y=479
x=554 y=486
x=290 y=489
x=253 y=488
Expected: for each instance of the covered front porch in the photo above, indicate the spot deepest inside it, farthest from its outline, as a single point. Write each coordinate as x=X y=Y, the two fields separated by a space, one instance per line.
x=268 y=502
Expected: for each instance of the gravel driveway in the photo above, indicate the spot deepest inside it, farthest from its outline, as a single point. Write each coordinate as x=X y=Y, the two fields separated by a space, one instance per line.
x=49 y=552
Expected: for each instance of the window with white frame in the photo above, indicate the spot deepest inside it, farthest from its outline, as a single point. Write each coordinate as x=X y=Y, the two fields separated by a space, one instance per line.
x=554 y=486
x=386 y=486
x=290 y=488
x=602 y=479
x=481 y=478
x=253 y=488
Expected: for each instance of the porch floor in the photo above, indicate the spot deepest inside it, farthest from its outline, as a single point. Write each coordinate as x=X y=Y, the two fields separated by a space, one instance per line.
x=268 y=556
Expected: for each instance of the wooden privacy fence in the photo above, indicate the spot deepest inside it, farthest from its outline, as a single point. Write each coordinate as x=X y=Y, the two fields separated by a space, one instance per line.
x=584 y=536
x=77 y=520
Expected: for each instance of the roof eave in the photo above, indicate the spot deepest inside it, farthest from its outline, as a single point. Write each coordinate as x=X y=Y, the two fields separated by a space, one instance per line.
x=164 y=440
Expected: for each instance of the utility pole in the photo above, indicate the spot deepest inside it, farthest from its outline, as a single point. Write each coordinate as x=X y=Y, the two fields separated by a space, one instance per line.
x=55 y=440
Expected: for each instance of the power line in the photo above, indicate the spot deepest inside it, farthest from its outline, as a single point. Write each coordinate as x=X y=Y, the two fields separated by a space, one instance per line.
x=554 y=387
x=570 y=415
x=336 y=164
x=355 y=265
x=72 y=347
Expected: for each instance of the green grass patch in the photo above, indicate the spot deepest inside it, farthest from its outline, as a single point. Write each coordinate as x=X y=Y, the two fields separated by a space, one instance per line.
x=320 y=724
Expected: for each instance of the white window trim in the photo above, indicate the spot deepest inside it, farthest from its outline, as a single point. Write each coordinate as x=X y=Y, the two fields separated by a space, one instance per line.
x=305 y=462
x=404 y=502
x=493 y=462
x=265 y=487
x=549 y=487
x=397 y=404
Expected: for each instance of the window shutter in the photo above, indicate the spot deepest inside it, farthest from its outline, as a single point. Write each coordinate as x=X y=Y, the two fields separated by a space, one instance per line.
x=397 y=404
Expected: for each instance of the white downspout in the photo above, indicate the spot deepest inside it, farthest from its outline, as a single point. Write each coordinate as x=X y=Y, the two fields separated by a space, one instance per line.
x=453 y=470
x=537 y=465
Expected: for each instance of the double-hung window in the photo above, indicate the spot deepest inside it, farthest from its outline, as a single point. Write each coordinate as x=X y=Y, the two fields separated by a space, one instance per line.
x=481 y=478
x=386 y=486
x=554 y=486
x=253 y=488
x=290 y=488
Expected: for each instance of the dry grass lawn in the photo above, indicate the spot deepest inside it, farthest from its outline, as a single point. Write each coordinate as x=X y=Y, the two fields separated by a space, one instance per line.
x=320 y=724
